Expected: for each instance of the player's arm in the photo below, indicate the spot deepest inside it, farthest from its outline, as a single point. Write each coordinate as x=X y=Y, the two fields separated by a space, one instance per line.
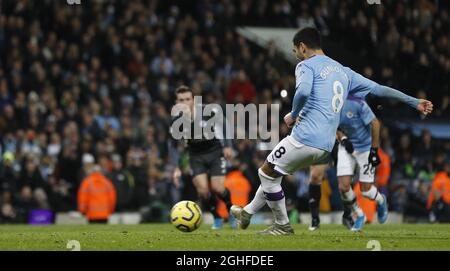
x=375 y=128
x=369 y=118
x=423 y=106
x=361 y=86
x=339 y=135
x=344 y=141
x=304 y=81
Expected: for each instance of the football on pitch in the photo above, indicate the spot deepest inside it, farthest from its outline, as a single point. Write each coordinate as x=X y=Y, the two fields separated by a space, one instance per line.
x=186 y=216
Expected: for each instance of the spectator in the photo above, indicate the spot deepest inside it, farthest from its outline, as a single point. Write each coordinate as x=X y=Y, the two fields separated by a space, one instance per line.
x=8 y=175
x=239 y=188
x=124 y=184
x=439 y=197
x=135 y=161
x=97 y=195
x=241 y=90
x=7 y=211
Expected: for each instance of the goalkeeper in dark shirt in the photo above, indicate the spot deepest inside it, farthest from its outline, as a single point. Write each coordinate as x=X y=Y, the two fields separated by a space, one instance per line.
x=207 y=159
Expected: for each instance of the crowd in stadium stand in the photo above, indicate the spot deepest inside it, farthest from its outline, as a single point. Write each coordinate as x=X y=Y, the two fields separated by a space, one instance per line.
x=98 y=79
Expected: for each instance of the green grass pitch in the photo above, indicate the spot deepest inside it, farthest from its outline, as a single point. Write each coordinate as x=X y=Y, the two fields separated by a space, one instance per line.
x=166 y=237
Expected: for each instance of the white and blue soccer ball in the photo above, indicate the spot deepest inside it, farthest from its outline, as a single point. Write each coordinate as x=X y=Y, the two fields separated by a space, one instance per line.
x=186 y=216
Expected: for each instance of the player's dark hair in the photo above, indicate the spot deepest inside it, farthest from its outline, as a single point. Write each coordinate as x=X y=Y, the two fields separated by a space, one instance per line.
x=310 y=36
x=182 y=89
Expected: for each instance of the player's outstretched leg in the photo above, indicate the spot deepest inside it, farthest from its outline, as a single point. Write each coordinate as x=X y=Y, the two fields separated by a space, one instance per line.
x=244 y=215
x=271 y=185
x=369 y=191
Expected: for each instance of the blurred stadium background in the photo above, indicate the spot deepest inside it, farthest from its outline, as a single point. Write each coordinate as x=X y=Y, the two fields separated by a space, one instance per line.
x=94 y=84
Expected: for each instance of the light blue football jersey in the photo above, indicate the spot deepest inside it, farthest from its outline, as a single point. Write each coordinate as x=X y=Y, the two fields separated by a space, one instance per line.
x=356 y=117
x=328 y=85
x=322 y=87
x=320 y=114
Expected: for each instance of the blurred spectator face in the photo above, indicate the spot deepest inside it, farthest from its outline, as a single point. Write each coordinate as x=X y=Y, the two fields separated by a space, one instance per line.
x=20 y=99
x=368 y=72
x=88 y=119
x=447 y=167
x=242 y=77
x=104 y=163
x=3 y=86
x=136 y=160
x=70 y=151
x=43 y=140
x=405 y=141
x=100 y=148
x=9 y=112
x=55 y=139
x=136 y=156
x=423 y=189
x=6 y=197
x=117 y=162
x=50 y=125
x=7 y=210
x=421 y=94
x=41 y=198
x=107 y=112
x=426 y=137
x=150 y=135
x=30 y=167
x=26 y=193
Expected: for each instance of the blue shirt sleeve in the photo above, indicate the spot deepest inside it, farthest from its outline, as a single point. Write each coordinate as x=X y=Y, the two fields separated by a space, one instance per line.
x=303 y=86
x=387 y=92
x=359 y=86
x=366 y=113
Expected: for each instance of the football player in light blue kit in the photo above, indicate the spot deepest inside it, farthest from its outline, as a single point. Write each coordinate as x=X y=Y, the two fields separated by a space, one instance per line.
x=322 y=86
x=359 y=134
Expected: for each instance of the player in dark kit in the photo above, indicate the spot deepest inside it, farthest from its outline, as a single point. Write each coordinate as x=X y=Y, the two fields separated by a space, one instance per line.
x=206 y=156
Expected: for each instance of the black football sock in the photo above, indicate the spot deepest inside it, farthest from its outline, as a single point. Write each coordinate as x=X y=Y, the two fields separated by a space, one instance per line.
x=348 y=207
x=226 y=197
x=212 y=201
x=314 y=200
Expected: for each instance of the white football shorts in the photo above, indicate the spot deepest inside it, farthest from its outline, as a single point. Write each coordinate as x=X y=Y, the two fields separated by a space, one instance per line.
x=290 y=155
x=348 y=163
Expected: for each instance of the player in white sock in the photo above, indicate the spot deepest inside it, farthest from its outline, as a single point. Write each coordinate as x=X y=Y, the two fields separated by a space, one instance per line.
x=358 y=149
x=274 y=197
